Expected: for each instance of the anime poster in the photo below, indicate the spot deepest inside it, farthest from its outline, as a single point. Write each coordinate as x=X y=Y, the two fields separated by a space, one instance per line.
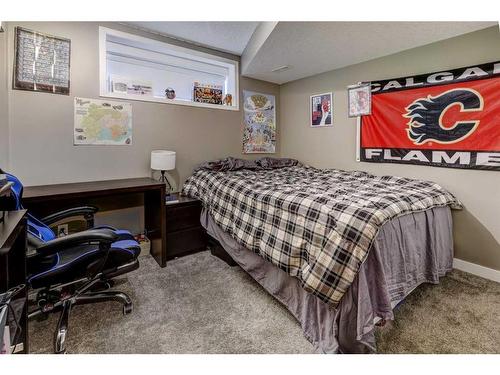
x=259 y=128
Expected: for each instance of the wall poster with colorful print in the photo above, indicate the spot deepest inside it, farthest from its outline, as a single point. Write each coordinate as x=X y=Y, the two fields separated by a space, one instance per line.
x=259 y=128
x=444 y=119
x=321 y=110
x=102 y=122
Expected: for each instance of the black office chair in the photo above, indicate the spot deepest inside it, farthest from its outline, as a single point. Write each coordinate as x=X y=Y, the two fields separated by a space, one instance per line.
x=77 y=268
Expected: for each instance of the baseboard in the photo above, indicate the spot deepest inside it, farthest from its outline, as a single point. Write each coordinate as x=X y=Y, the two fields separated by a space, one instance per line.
x=476 y=269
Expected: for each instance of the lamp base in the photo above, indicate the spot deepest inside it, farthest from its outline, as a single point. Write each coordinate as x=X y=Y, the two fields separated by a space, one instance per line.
x=164 y=179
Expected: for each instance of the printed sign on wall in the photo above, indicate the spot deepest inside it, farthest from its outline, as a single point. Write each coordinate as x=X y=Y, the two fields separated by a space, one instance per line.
x=445 y=119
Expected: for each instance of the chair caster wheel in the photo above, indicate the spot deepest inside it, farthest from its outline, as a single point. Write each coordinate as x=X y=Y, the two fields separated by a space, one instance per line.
x=127 y=309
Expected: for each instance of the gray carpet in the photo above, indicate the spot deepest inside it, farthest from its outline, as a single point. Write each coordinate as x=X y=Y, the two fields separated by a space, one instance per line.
x=198 y=304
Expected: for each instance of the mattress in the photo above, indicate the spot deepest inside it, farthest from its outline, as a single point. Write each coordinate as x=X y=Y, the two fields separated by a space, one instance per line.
x=317 y=225
x=408 y=250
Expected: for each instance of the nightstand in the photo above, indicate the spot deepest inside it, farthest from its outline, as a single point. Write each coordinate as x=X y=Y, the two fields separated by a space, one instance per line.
x=185 y=234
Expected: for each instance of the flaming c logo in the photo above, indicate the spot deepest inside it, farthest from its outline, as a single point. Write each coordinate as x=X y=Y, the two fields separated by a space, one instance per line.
x=426 y=116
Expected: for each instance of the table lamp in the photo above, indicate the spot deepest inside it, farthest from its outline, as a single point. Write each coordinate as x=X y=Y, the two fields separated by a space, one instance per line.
x=162 y=161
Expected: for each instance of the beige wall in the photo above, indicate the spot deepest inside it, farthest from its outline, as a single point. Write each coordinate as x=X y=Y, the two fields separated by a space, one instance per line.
x=41 y=124
x=4 y=128
x=477 y=228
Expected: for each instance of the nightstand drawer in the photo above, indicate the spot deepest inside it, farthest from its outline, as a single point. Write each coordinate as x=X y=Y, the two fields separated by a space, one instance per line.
x=186 y=241
x=183 y=217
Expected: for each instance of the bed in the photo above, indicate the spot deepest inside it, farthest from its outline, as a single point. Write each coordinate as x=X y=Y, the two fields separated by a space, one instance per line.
x=340 y=249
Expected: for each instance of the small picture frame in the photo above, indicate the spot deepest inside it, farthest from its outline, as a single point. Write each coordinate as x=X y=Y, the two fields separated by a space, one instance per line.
x=321 y=110
x=359 y=99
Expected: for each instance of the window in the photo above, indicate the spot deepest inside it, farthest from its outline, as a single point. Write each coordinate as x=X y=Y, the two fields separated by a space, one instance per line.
x=138 y=68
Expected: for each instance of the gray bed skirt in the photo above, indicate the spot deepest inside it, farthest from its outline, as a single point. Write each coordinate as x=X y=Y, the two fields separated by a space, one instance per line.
x=408 y=251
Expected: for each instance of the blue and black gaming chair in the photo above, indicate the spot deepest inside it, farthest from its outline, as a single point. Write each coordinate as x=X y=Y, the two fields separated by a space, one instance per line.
x=74 y=269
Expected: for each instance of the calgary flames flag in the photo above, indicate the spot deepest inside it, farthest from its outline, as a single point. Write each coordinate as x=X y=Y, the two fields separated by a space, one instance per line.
x=444 y=119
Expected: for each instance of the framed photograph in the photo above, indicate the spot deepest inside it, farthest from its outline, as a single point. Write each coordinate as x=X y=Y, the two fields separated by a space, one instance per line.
x=321 y=110
x=360 y=100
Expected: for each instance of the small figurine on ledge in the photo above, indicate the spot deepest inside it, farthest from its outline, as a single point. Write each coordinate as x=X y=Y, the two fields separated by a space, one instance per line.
x=170 y=93
x=228 y=100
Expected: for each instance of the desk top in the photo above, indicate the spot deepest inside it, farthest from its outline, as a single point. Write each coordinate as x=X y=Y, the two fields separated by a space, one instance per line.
x=93 y=188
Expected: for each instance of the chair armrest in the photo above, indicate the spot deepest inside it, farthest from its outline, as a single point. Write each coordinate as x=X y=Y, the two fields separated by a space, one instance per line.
x=86 y=211
x=104 y=237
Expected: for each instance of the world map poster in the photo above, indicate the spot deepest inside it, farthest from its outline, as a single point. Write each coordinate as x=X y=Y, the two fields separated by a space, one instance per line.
x=102 y=122
x=259 y=132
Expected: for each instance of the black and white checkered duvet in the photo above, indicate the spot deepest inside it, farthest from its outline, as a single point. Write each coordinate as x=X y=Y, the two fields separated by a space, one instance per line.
x=316 y=225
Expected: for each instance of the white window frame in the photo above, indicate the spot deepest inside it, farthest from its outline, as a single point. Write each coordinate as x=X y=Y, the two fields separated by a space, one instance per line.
x=104 y=82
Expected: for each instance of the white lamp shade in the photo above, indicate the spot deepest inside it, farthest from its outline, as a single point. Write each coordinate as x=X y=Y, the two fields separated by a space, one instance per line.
x=162 y=160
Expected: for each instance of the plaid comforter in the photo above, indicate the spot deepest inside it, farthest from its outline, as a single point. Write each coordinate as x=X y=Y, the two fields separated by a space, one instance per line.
x=316 y=225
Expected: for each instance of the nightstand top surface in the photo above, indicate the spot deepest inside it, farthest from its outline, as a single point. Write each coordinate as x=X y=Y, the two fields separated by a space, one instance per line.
x=181 y=200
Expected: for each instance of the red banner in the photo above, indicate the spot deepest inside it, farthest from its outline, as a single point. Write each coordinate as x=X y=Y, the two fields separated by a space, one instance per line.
x=446 y=119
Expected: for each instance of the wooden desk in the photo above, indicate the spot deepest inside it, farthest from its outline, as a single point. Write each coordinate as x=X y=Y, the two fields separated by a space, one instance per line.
x=46 y=199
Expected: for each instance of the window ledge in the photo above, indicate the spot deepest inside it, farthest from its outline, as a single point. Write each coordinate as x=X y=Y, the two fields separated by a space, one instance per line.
x=156 y=99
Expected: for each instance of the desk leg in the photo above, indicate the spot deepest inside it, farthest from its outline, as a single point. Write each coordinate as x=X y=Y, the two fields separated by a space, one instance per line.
x=154 y=218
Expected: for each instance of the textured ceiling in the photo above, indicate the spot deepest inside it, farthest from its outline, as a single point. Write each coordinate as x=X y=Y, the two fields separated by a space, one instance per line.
x=229 y=37
x=309 y=48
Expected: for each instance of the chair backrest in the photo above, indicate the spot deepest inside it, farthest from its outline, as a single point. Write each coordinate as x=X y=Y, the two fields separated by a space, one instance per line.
x=36 y=228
